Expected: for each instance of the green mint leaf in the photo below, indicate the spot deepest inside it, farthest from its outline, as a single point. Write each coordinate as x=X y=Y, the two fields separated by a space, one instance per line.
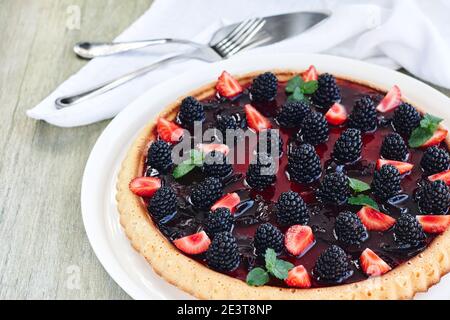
x=309 y=87
x=294 y=82
x=271 y=258
x=278 y=268
x=421 y=134
x=363 y=200
x=358 y=185
x=257 y=277
x=281 y=269
x=430 y=121
x=182 y=169
x=195 y=160
x=297 y=95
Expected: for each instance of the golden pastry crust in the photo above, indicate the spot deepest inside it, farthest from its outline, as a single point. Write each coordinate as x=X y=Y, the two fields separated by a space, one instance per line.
x=403 y=282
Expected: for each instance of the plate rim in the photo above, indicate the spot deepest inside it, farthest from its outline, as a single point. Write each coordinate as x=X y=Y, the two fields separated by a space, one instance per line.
x=208 y=73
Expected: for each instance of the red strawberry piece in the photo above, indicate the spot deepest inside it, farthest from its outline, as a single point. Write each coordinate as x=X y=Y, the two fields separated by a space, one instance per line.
x=434 y=223
x=256 y=120
x=372 y=264
x=298 y=239
x=444 y=176
x=391 y=100
x=227 y=86
x=168 y=130
x=145 y=186
x=375 y=220
x=402 y=167
x=336 y=115
x=208 y=147
x=298 y=277
x=230 y=201
x=438 y=136
x=194 y=244
x=310 y=74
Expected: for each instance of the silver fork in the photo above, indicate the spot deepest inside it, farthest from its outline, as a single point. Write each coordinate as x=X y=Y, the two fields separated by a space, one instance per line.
x=231 y=44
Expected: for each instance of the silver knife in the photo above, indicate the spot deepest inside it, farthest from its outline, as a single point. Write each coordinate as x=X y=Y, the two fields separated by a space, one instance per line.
x=275 y=29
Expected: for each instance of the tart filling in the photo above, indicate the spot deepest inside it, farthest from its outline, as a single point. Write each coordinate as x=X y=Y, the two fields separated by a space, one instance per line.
x=326 y=181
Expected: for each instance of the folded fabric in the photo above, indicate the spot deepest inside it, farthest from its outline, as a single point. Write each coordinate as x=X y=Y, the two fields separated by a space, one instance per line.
x=394 y=33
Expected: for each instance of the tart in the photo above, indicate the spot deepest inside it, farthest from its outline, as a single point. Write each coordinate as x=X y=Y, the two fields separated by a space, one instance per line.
x=301 y=186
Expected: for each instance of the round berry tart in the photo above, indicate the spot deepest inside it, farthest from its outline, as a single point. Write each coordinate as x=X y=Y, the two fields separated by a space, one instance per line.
x=290 y=185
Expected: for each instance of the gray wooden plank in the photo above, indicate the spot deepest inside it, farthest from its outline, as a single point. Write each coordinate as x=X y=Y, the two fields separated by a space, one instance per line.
x=41 y=230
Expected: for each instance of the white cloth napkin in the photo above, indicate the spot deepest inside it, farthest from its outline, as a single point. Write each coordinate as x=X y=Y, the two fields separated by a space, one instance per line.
x=408 y=33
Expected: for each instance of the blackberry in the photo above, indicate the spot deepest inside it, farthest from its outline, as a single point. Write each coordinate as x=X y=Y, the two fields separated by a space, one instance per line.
x=264 y=87
x=333 y=265
x=191 y=110
x=349 y=229
x=206 y=193
x=406 y=119
x=292 y=114
x=262 y=173
x=159 y=156
x=435 y=160
x=328 y=92
x=348 y=146
x=163 y=203
x=334 y=188
x=265 y=142
x=304 y=164
x=315 y=129
x=291 y=209
x=268 y=236
x=386 y=182
x=433 y=197
x=408 y=231
x=216 y=164
x=364 y=115
x=219 y=220
x=226 y=122
x=394 y=147
x=223 y=253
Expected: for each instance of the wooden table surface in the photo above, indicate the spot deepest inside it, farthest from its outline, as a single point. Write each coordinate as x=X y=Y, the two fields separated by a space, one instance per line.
x=44 y=251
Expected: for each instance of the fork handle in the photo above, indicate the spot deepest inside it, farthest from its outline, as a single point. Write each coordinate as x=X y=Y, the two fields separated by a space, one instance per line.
x=89 y=50
x=70 y=100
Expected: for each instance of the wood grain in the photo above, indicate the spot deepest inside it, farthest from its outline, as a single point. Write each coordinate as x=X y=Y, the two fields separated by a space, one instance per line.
x=43 y=245
x=43 y=242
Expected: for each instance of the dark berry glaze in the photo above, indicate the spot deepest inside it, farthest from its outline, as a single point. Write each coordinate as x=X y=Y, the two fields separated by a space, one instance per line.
x=258 y=207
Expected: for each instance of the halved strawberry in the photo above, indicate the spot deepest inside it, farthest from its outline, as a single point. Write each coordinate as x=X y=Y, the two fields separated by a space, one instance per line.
x=227 y=86
x=438 y=136
x=336 y=115
x=310 y=74
x=391 y=100
x=230 y=201
x=145 y=186
x=372 y=264
x=298 y=277
x=194 y=244
x=434 y=223
x=168 y=130
x=375 y=220
x=298 y=239
x=256 y=120
x=402 y=167
x=444 y=176
x=208 y=147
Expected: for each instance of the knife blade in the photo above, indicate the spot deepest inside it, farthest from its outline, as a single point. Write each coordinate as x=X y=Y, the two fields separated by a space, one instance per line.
x=277 y=27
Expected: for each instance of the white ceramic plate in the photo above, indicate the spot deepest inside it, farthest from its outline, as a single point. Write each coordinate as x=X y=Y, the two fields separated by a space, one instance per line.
x=98 y=203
